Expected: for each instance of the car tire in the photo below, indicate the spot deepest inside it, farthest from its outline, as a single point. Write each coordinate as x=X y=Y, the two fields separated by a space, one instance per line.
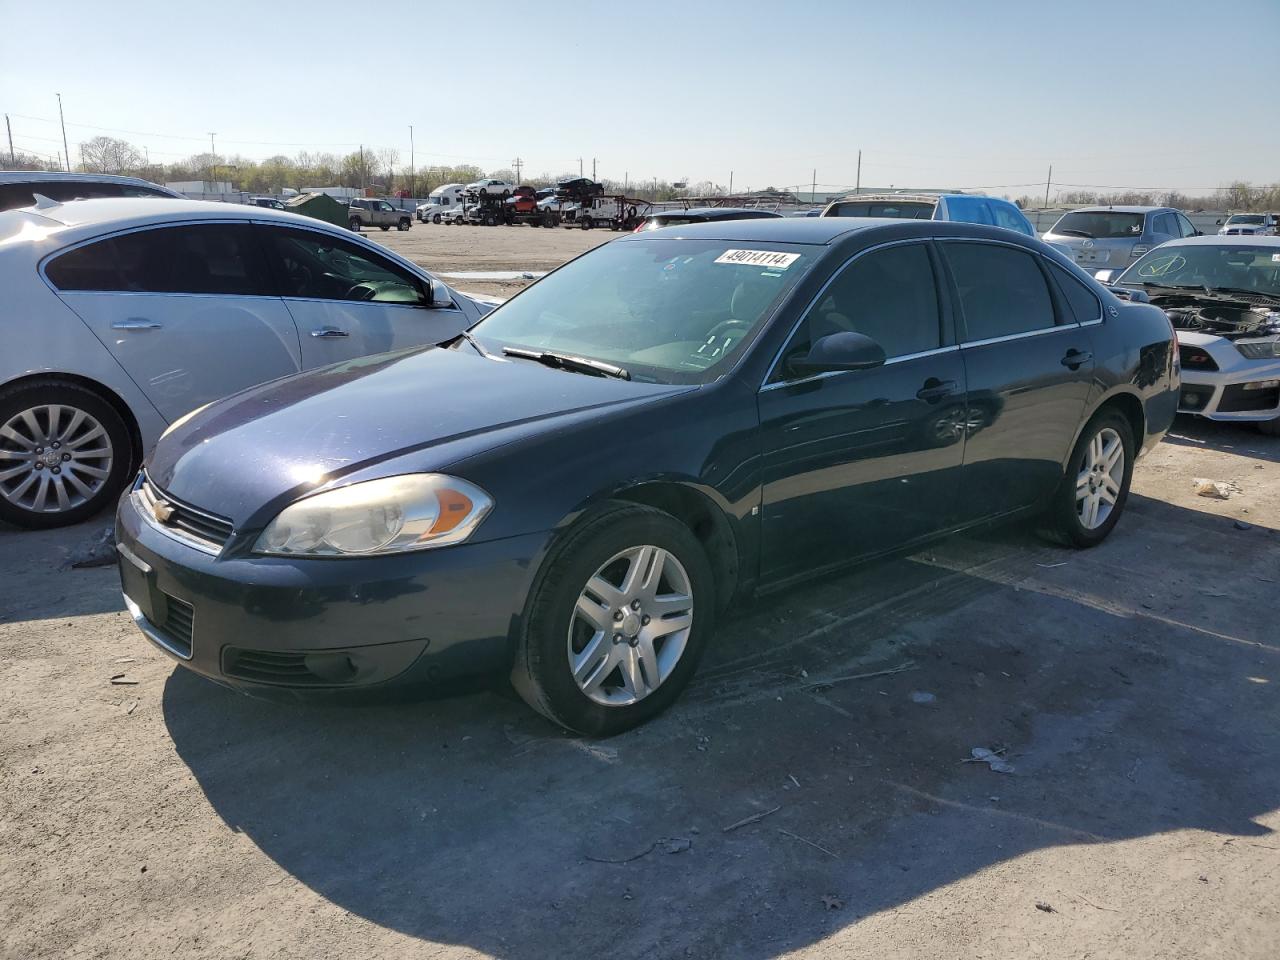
x=354 y=224
x=1270 y=427
x=404 y=224
x=622 y=686
x=587 y=223
x=85 y=424
x=1088 y=503
x=436 y=218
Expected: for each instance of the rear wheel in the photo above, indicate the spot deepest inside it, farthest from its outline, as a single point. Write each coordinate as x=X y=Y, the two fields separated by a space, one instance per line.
x=354 y=224
x=404 y=224
x=64 y=454
x=1088 y=503
x=616 y=623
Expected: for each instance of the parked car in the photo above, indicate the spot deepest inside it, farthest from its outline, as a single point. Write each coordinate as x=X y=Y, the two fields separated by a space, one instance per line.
x=121 y=316
x=454 y=215
x=441 y=200
x=957 y=207
x=523 y=200
x=1111 y=238
x=501 y=188
x=578 y=189
x=575 y=489
x=680 y=218
x=1223 y=297
x=366 y=212
x=18 y=188
x=270 y=203
x=1249 y=225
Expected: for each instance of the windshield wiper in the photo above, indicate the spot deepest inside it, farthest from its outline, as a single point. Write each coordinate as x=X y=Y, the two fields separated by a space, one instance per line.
x=1076 y=233
x=1243 y=290
x=566 y=361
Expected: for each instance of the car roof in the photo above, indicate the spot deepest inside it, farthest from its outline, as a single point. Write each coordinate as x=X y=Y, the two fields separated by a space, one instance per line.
x=712 y=212
x=818 y=230
x=900 y=197
x=1215 y=241
x=125 y=212
x=1121 y=208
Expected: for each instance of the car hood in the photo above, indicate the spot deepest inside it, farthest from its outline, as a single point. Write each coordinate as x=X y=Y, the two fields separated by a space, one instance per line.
x=1218 y=314
x=252 y=452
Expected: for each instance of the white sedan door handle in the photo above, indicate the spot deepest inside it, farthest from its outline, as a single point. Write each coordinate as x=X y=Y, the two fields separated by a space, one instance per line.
x=136 y=323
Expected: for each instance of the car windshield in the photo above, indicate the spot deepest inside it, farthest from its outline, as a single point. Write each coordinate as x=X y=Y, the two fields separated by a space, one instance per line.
x=879 y=208
x=1100 y=225
x=666 y=310
x=1231 y=267
x=1249 y=218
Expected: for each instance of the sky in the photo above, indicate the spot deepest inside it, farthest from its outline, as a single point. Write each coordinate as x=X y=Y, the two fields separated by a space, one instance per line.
x=981 y=94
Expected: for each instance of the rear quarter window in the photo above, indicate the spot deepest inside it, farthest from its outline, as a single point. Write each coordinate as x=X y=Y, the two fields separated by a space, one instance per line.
x=1084 y=303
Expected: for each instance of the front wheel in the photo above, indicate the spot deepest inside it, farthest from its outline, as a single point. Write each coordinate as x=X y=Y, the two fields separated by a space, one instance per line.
x=65 y=454
x=436 y=218
x=617 y=622
x=1092 y=495
x=354 y=224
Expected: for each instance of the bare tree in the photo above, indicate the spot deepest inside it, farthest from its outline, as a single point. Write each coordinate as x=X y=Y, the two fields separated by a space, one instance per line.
x=109 y=155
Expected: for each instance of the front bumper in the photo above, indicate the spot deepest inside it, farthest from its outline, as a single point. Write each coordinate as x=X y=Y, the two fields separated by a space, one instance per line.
x=1222 y=394
x=272 y=623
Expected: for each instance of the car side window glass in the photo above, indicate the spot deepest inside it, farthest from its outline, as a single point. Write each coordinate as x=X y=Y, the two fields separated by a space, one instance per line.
x=1009 y=217
x=888 y=295
x=221 y=259
x=1188 y=229
x=1083 y=302
x=1002 y=291
x=321 y=267
x=1164 y=224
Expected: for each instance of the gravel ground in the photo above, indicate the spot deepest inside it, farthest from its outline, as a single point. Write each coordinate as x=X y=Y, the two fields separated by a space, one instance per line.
x=1133 y=688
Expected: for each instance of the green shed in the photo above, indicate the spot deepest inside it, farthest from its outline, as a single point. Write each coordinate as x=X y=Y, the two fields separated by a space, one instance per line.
x=318 y=205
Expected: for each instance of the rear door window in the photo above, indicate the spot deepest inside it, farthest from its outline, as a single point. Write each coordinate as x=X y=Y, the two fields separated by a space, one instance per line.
x=215 y=258
x=1002 y=290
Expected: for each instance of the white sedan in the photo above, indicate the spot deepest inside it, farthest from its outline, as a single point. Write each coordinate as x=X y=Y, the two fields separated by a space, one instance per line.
x=1222 y=295
x=121 y=316
x=497 y=188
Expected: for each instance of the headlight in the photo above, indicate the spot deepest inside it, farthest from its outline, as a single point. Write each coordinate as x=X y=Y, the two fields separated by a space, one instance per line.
x=1259 y=349
x=414 y=511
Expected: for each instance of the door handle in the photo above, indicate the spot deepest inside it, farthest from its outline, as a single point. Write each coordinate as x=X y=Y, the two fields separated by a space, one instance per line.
x=136 y=323
x=328 y=332
x=1076 y=358
x=935 y=389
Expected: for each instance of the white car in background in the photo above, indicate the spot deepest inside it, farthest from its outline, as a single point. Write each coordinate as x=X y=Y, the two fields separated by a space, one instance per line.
x=498 y=188
x=1222 y=295
x=1249 y=225
x=121 y=316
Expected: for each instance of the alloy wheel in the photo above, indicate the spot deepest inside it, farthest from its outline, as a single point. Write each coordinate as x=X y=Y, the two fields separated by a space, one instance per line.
x=53 y=458
x=1099 y=480
x=630 y=626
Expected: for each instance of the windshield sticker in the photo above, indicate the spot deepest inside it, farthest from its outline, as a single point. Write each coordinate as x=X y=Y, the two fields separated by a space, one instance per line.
x=1160 y=266
x=1275 y=258
x=759 y=258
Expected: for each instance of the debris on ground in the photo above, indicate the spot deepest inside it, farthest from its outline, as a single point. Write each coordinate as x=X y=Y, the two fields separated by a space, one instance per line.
x=991 y=758
x=133 y=705
x=816 y=846
x=1044 y=907
x=825 y=684
x=98 y=551
x=832 y=903
x=666 y=845
x=1214 y=489
x=754 y=818
x=922 y=696
x=123 y=680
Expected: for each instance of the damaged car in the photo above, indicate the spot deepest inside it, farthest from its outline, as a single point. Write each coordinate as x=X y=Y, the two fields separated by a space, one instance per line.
x=1222 y=295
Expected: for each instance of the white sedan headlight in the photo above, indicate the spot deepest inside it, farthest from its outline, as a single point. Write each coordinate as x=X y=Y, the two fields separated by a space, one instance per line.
x=414 y=511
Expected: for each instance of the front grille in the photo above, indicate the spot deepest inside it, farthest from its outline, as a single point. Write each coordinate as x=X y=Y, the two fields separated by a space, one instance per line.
x=1236 y=399
x=183 y=520
x=1193 y=358
x=179 y=620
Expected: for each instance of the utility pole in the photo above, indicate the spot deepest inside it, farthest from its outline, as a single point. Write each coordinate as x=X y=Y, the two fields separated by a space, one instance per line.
x=362 y=178
x=1048 y=180
x=13 y=157
x=813 y=194
x=731 y=183
x=66 y=152
x=213 y=160
x=626 y=178
x=593 y=168
x=411 y=193
x=858 y=183
x=518 y=164
x=579 y=166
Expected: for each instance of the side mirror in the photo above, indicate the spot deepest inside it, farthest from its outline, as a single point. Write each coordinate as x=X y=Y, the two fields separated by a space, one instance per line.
x=839 y=351
x=1198 y=233
x=438 y=295
x=1105 y=276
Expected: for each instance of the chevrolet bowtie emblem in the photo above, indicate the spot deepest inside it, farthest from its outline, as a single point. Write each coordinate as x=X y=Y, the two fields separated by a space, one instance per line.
x=162 y=511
